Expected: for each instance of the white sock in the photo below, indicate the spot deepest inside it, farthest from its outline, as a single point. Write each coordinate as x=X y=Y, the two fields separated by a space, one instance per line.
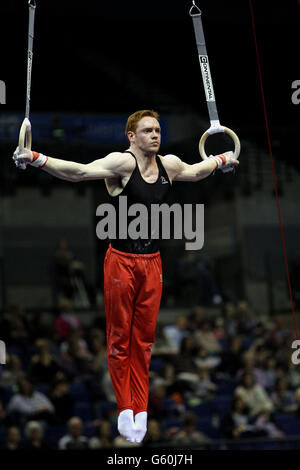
x=140 y=426
x=126 y=425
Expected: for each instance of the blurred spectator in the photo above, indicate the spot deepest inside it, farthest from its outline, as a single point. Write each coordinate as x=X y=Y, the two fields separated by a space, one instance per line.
x=184 y=359
x=43 y=365
x=205 y=388
x=76 y=336
x=229 y=319
x=246 y=319
x=278 y=334
x=13 y=439
x=29 y=404
x=258 y=349
x=249 y=366
x=253 y=394
x=163 y=343
x=74 y=439
x=205 y=360
x=97 y=348
x=103 y=439
x=154 y=434
x=34 y=434
x=237 y=423
x=283 y=399
x=176 y=333
x=270 y=373
x=98 y=362
x=12 y=372
x=167 y=373
x=61 y=399
x=187 y=384
x=107 y=388
x=14 y=327
x=196 y=318
x=157 y=395
x=189 y=434
x=205 y=336
x=198 y=386
x=264 y=423
x=75 y=358
x=219 y=331
x=283 y=355
x=66 y=320
x=293 y=375
x=43 y=326
x=231 y=358
x=173 y=388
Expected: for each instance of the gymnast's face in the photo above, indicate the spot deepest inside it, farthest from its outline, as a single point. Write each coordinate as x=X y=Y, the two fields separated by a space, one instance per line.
x=147 y=135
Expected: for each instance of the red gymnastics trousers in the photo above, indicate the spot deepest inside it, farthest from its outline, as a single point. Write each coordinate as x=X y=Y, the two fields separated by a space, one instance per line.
x=132 y=294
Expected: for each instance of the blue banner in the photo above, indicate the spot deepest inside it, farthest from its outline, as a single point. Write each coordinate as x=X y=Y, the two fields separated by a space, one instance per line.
x=71 y=127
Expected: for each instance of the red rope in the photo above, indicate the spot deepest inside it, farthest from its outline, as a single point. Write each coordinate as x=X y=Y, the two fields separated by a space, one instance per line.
x=273 y=168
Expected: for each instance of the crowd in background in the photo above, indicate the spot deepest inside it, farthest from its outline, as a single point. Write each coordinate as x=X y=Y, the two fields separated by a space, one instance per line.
x=224 y=376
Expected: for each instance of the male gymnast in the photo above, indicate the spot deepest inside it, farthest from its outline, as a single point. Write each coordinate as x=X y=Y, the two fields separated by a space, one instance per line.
x=132 y=268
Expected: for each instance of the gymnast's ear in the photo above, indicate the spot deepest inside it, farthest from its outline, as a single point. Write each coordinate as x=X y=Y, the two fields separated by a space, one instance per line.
x=130 y=135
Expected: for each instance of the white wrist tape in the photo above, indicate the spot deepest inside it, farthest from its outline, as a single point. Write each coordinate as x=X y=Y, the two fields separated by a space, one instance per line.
x=40 y=161
x=220 y=159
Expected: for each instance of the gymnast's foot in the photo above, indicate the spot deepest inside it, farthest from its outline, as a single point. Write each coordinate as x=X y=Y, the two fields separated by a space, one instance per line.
x=126 y=425
x=140 y=426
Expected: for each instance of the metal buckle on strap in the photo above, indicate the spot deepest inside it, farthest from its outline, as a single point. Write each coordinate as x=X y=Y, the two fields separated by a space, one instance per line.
x=194 y=6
